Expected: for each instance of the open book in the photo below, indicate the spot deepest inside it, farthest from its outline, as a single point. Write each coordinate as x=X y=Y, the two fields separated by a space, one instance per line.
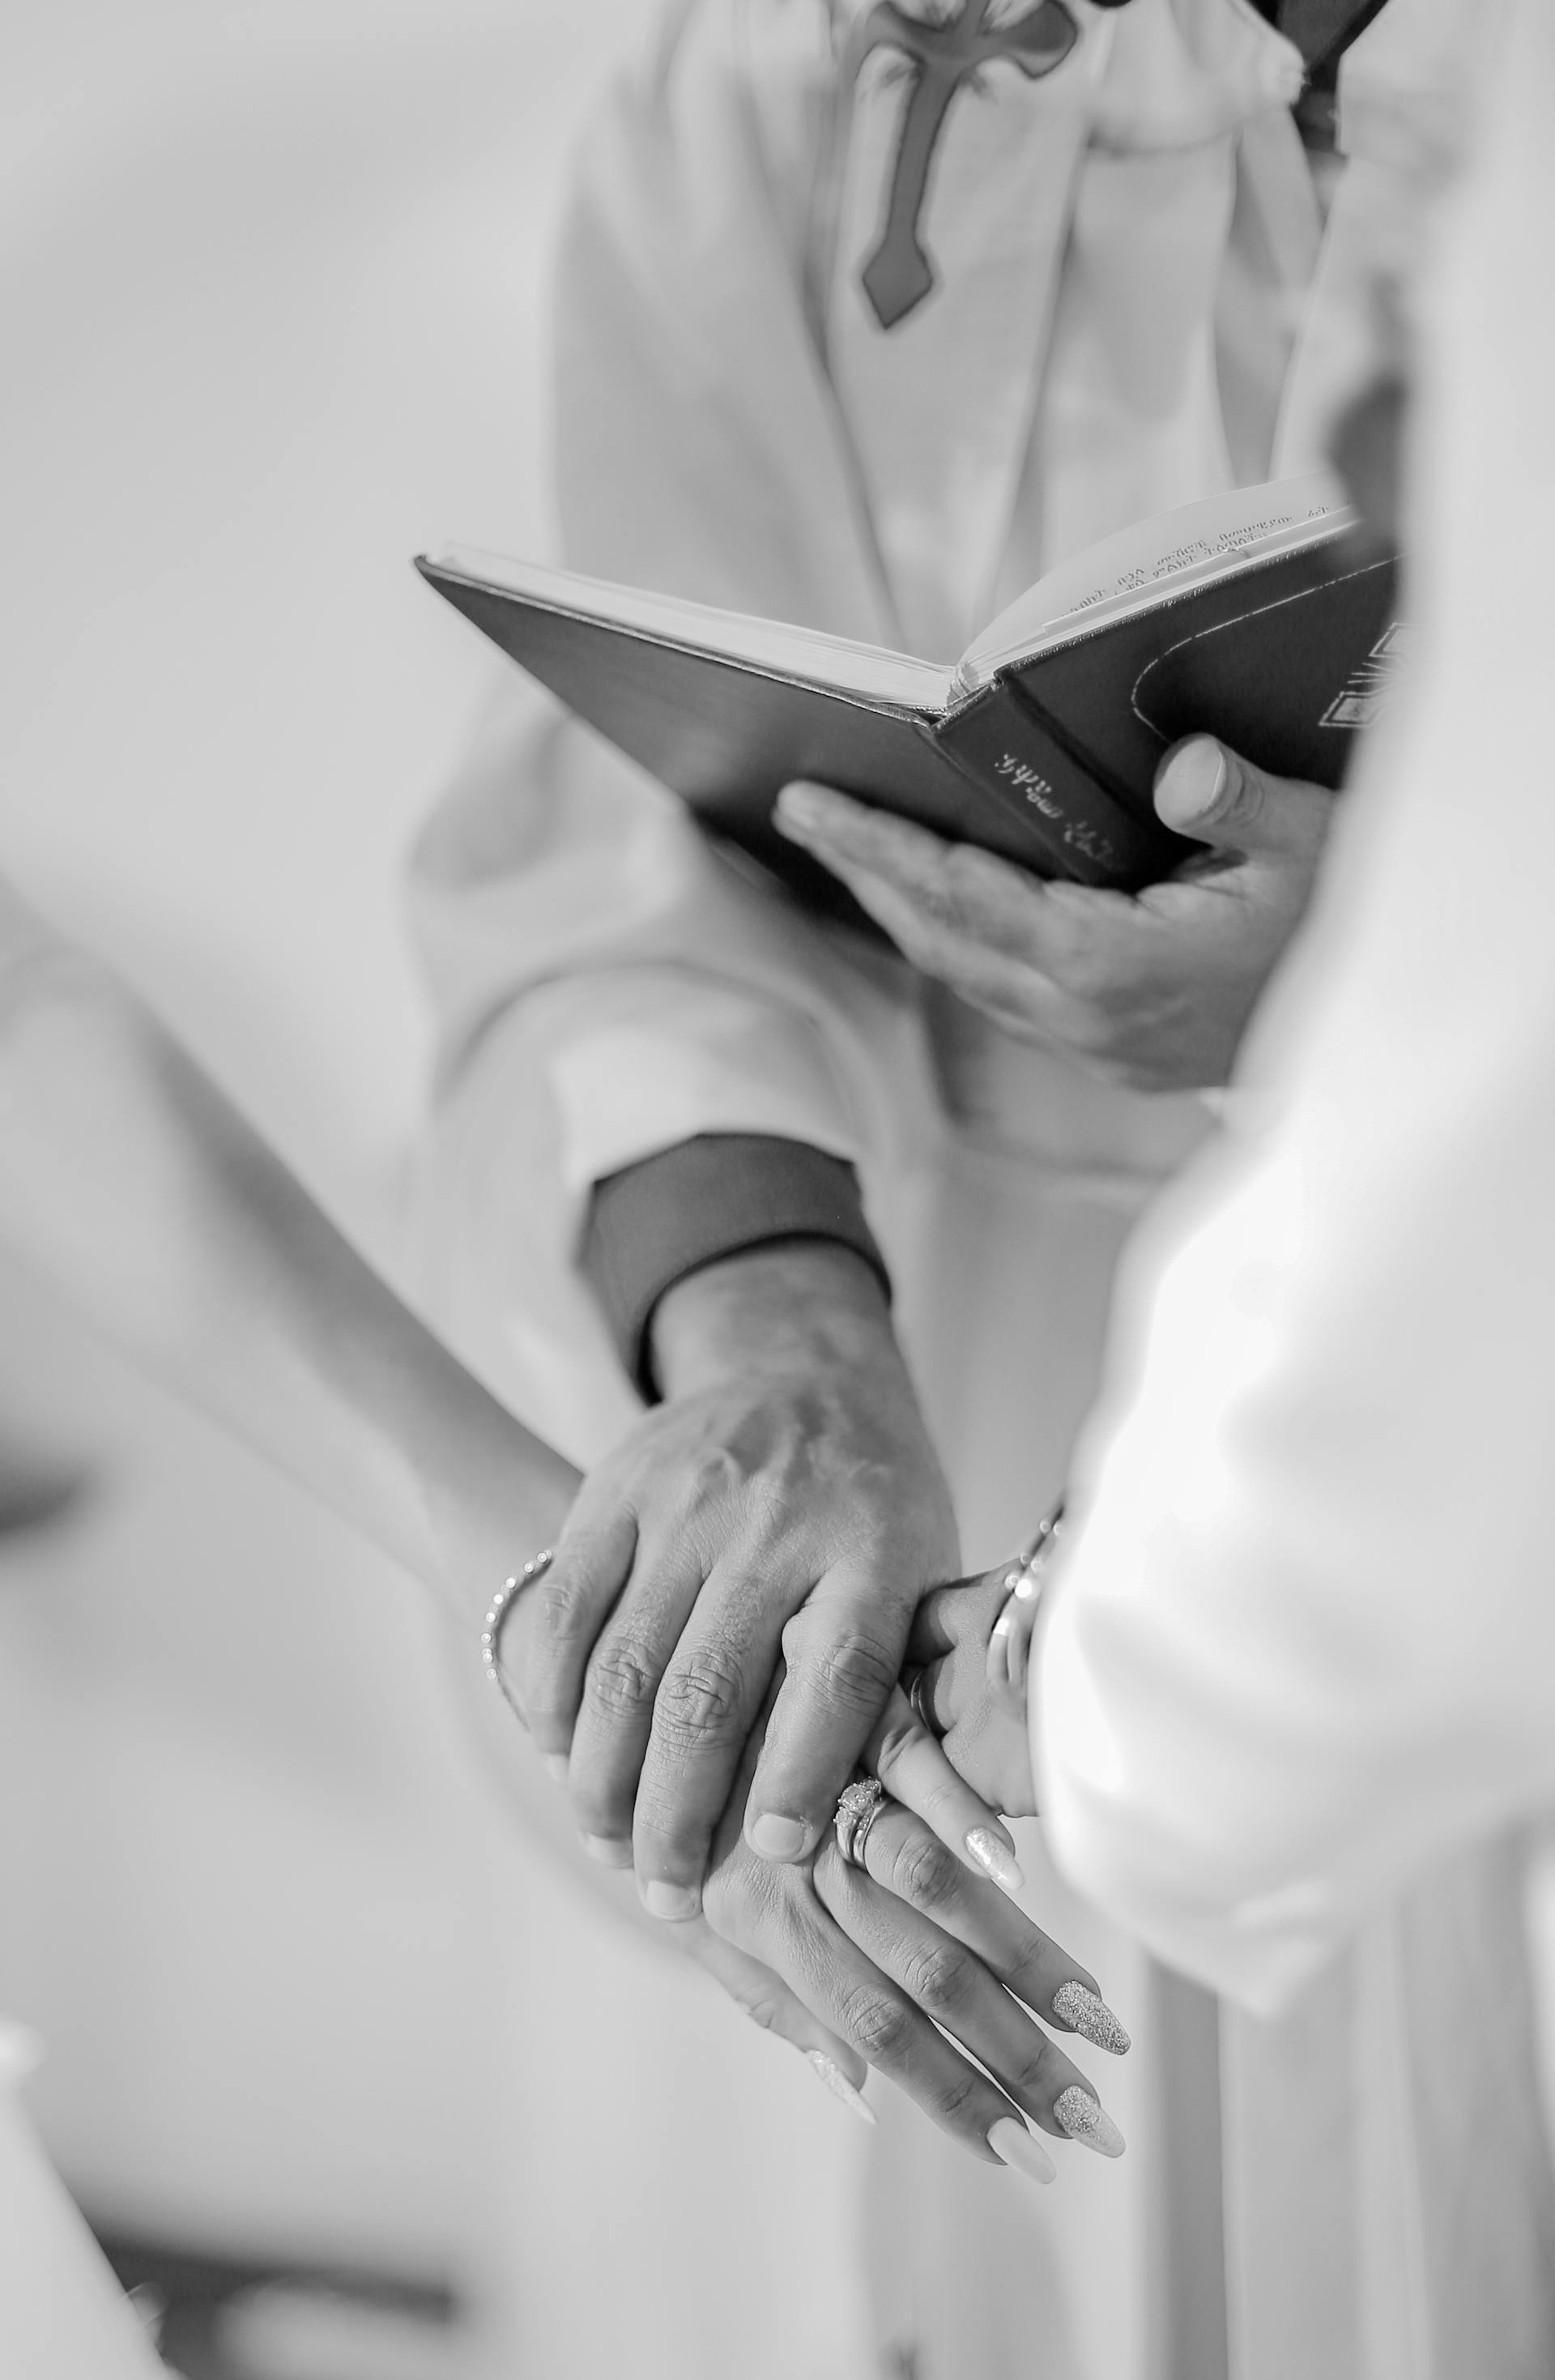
x=1245 y=615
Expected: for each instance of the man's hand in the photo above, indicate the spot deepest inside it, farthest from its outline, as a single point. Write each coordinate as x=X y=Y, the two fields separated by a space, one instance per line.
x=783 y=1503
x=1152 y=990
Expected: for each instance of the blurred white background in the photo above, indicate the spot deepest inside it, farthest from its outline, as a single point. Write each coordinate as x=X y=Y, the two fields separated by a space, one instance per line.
x=271 y=281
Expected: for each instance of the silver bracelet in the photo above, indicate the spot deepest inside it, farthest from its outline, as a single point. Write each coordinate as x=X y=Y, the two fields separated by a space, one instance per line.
x=1009 y=1645
x=491 y=1626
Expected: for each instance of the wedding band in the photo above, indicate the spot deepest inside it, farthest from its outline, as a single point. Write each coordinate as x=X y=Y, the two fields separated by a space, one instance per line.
x=857 y=1808
x=921 y=1703
x=861 y=1832
x=491 y=1626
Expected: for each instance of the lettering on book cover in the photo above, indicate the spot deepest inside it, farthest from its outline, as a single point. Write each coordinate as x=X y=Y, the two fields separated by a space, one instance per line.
x=1029 y=783
x=1369 y=690
x=1078 y=833
x=1092 y=841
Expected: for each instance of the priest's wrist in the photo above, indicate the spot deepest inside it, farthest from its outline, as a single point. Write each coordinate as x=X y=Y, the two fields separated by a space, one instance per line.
x=793 y=1307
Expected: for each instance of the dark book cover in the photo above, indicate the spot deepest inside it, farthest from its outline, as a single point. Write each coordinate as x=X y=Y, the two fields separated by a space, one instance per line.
x=1051 y=765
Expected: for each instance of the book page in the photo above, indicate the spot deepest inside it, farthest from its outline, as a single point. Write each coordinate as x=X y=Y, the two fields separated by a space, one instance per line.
x=776 y=646
x=1157 y=559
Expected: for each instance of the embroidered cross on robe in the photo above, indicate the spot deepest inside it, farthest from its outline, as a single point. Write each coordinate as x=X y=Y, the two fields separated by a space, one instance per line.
x=943 y=56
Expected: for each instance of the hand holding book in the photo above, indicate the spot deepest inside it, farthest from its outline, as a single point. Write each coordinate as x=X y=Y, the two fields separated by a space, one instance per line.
x=1152 y=989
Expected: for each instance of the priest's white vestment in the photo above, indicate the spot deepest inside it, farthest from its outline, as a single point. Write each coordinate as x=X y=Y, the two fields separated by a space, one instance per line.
x=1312 y=1576
x=1136 y=302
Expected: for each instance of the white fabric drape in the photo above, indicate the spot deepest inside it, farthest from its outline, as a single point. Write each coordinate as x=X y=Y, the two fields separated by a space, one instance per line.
x=1306 y=1638
x=1302 y=1647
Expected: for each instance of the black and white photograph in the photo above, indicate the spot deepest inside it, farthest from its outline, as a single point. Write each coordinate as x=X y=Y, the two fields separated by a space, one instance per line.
x=777 y=1190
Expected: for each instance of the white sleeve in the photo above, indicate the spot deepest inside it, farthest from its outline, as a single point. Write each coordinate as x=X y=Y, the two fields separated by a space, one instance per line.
x=609 y=984
x=1304 y=1642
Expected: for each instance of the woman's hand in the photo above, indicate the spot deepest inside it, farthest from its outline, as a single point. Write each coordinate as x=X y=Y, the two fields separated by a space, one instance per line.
x=1152 y=990
x=980 y=1717
x=893 y=1958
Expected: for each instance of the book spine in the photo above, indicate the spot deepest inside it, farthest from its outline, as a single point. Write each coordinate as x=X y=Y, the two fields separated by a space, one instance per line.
x=1088 y=835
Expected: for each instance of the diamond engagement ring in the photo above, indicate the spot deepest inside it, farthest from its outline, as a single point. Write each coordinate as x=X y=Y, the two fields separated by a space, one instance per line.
x=857 y=1808
x=491 y=1626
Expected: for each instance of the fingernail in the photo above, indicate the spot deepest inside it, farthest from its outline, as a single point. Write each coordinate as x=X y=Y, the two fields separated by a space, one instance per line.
x=556 y=1767
x=674 y=1901
x=777 y=1838
x=1090 y=2016
x=1195 y=781
x=801 y=805
x=836 y=2082
x=1013 y=2144
x=996 y=1859
x=1085 y=2120
x=611 y=1854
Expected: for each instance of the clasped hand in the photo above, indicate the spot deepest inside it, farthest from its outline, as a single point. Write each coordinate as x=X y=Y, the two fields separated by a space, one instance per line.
x=717 y=1644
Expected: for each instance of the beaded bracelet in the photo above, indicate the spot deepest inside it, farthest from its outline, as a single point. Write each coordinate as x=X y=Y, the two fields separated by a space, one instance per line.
x=491 y=1626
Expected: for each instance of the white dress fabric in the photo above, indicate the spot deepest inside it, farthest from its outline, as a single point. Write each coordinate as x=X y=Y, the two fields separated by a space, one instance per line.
x=1304 y=1645
x=63 y=2315
x=1137 y=304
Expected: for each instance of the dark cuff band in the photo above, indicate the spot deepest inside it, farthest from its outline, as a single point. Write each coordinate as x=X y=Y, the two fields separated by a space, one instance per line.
x=655 y=1223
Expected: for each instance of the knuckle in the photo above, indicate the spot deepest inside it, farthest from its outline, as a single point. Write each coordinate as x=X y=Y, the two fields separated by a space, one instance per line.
x=955 y=2097
x=898 y=1733
x=924 y=1874
x=972 y=880
x=763 y=2009
x=621 y=1680
x=855 y=1670
x=878 y=2024
x=1242 y=802
x=939 y=1978
x=563 y=1604
x=1032 y=2072
x=701 y=1704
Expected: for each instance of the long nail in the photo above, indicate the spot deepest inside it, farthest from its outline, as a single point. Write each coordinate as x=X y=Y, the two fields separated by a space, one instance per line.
x=996 y=1859
x=777 y=1838
x=674 y=1902
x=836 y=2082
x=1013 y=2144
x=556 y=1767
x=1085 y=2120
x=1090 y=2016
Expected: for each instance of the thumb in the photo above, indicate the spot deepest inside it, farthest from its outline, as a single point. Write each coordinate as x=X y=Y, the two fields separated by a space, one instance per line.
x=1204 y=790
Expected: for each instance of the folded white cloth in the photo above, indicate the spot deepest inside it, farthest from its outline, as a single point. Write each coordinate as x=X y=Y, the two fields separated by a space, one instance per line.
x=63 y=2316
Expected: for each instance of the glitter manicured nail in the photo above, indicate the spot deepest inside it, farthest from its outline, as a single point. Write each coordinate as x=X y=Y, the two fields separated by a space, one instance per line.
x=1090 y=2016
x=836 y=2082
x=1085 y=2120
x=996 y=1859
